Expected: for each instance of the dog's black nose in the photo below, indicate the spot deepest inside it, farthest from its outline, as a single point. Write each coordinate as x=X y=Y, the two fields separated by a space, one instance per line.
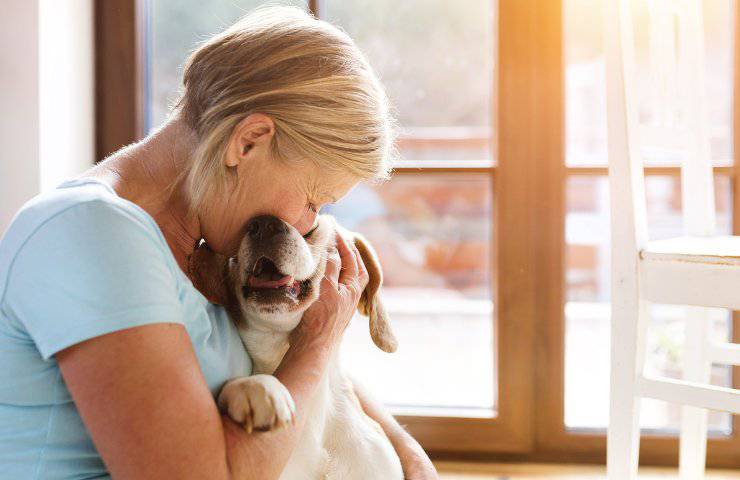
x=265 y=227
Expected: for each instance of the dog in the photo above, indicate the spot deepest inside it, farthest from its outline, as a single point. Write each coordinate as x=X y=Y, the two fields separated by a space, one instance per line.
x=266 y=288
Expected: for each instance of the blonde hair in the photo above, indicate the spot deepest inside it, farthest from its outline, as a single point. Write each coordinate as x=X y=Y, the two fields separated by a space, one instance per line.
x=308 y=76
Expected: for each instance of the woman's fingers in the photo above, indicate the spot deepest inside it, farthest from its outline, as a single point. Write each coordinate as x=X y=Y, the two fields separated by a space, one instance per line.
x=333 y=266
x=344 y=279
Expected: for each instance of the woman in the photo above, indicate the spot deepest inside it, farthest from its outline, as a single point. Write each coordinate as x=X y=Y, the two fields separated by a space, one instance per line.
x=111 y=357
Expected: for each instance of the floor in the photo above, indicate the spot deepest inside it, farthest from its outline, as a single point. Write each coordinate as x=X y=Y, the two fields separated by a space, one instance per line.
x=490 y=471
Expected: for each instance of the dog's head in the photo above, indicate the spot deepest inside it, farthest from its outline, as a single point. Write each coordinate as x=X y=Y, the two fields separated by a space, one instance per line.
x=277 y=274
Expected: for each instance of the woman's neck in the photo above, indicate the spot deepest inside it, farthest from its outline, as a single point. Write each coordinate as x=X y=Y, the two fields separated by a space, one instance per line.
x=144 y=173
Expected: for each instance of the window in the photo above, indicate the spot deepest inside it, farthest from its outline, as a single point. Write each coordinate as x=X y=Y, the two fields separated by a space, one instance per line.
x=433 y=231
x=494 y=230
x=433 y=236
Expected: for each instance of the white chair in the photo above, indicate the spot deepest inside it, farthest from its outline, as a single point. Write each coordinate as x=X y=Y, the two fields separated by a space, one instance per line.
x=699 y=269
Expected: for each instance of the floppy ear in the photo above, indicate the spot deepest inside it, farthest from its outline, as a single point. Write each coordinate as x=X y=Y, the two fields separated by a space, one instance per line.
x=370 y=303
x=212 y=274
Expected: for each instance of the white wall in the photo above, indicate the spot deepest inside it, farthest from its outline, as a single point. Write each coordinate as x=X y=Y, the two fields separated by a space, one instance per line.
x=19 y=119
x=47 y=91
x=67 y=91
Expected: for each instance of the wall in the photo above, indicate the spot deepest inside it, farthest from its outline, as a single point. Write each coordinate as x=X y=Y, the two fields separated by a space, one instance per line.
x=67 y=89
x=19 y=122
x=47 y=92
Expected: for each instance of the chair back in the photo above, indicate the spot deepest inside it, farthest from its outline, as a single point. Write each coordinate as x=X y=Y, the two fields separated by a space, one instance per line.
x=664 y=108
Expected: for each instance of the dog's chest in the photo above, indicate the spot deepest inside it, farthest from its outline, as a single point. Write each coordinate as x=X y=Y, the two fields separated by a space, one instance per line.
x=338 y=441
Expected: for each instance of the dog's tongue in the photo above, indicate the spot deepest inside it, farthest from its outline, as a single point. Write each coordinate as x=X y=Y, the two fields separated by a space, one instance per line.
x=259 y=283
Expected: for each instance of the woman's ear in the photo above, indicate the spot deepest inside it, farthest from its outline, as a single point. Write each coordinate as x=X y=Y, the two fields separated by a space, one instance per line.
x=370 y=303
x=253 y=129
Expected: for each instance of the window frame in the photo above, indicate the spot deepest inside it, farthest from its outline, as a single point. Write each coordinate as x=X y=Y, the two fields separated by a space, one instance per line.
x=529 y=177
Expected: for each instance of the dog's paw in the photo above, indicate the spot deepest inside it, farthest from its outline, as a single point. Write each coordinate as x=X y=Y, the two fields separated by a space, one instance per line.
x=259 y=402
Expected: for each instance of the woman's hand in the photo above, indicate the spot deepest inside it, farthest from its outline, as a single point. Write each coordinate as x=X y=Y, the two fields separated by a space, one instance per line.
x=340 y=291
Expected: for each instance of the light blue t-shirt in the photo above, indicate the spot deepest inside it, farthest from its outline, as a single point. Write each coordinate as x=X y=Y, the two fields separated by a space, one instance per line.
x=78 y=262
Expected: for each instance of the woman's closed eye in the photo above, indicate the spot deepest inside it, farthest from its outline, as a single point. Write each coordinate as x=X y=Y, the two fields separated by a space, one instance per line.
x=307 y=222
x=310 y=232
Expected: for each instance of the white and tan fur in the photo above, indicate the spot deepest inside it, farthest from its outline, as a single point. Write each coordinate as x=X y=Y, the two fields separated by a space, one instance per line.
x=339 y=440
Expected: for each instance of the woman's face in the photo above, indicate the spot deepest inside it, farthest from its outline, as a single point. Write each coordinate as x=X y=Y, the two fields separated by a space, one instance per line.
x=293 y=192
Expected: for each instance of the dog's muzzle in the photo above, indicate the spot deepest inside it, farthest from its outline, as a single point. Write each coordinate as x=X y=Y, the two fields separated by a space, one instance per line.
x=265 y=275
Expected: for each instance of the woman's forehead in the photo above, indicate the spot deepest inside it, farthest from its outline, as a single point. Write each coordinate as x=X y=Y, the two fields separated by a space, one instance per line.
x=330 y=187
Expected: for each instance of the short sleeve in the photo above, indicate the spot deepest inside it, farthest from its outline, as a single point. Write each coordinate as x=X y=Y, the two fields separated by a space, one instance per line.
x=89 y=270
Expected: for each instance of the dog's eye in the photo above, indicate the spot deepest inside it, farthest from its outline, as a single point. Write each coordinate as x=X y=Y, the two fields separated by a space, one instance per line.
x=310 y=232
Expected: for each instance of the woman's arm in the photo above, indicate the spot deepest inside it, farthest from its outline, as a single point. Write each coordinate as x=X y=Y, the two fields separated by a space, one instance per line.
x=144 y=400
x=414 y=460
x=145 y=403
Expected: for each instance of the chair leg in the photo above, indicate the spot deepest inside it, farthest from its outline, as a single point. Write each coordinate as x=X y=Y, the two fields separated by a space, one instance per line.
x=696 y=368
x=627 y=358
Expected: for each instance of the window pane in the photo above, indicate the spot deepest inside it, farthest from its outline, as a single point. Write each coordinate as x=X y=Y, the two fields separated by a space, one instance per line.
x=585 y=121
x=427 y=53
x=177 y=26
x=433 y=236
x=587 y=308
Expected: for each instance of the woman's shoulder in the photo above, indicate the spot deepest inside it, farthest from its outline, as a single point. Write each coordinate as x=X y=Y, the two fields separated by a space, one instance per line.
x=86 y=204
x=80 y=261
x=80 y=223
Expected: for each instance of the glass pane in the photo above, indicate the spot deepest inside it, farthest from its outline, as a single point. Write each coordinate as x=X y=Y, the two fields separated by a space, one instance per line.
x=177 y=26
x=585 y=120
x=433 y=235
x=587 y=306
x=426 y=53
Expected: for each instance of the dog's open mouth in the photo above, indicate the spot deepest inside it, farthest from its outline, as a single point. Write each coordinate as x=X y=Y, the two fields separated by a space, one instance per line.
x=266 y=276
